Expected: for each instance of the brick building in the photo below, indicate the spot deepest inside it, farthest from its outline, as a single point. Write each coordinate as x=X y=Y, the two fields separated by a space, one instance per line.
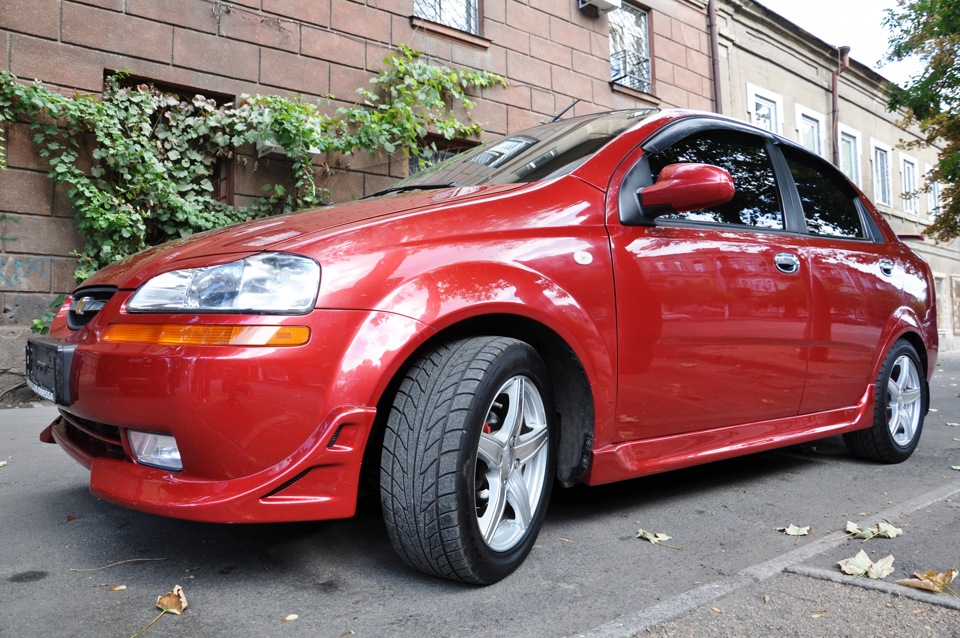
x=552 y=52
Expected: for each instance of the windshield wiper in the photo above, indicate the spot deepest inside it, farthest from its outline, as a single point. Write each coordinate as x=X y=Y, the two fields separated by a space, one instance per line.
x=412 y=187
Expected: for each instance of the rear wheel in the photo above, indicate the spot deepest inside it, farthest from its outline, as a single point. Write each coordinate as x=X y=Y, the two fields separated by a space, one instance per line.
x=468 y=458
x=899 y=408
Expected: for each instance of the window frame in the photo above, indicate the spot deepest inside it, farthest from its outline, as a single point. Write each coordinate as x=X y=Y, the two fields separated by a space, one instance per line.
x=478 y=10
x=881 y=198
x=615 y=82
x=821 y=119
x=911 y=199
x=754 y=92
x=857 y=165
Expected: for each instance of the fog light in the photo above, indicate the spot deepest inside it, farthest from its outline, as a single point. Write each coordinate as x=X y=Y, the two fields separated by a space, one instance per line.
x=156 y=450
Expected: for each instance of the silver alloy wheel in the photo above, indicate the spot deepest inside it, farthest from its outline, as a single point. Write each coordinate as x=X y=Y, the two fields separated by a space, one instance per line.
x=904 y=401
x=512 y=461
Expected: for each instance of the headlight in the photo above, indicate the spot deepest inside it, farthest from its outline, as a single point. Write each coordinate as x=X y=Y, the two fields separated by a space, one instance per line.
x=266 y=283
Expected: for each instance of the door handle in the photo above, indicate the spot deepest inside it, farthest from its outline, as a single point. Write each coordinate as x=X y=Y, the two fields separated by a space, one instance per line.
x=787 y=263
x=886 y=267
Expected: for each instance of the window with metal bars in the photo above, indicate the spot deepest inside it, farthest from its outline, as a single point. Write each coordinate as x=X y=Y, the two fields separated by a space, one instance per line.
x=463 y=15
x=630 y=48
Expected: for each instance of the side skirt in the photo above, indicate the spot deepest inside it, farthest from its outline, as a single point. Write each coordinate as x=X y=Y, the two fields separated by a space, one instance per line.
x=622 y=461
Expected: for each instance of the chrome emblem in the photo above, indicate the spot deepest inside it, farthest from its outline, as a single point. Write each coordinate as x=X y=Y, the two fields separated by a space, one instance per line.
x=86 y=304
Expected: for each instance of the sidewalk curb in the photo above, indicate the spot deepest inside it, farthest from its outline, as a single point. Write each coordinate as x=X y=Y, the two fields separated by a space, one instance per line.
x=632 y=624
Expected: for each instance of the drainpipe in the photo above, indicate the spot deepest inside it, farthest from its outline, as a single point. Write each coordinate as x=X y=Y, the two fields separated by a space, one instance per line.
x=835 y=94
x=715 y=54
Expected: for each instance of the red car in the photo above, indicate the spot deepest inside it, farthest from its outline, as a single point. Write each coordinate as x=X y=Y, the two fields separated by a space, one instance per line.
x=591 y=300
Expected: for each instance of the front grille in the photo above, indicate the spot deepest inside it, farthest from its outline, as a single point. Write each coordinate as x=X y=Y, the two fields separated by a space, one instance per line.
x=86 y=303
x=96 y=439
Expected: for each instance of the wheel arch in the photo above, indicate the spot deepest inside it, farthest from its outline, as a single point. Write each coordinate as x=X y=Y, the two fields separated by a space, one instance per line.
x=573 y=397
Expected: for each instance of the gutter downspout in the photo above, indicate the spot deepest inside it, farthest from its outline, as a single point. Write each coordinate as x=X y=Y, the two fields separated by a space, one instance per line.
x=715 y=54
x=835 y=96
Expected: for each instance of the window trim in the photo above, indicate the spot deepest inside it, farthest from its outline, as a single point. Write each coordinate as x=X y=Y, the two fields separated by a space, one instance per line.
x=821 y=119
x=913 y=199
x=753 y=92
x=451 y=32
x=842 y=130
x=878 y=199
x=619 y=87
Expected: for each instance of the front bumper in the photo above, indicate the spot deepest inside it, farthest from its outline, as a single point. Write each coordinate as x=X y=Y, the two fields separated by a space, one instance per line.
x=265 y=434
x=318 y=482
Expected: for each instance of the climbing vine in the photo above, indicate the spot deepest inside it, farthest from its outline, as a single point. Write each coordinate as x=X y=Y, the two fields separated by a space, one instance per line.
x=139 y=162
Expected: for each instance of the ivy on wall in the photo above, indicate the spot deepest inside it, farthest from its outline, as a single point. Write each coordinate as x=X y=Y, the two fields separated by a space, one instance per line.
x=154 y=154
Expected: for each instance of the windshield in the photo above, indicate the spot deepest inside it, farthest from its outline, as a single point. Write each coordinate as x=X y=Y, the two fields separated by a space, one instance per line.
x=542 y=152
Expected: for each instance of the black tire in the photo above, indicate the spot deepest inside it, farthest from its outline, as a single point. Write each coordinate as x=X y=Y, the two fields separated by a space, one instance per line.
x=899 y=408
x=438 y=485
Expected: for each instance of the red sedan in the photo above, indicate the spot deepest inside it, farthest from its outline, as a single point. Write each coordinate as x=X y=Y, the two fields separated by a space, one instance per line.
x=588 y=301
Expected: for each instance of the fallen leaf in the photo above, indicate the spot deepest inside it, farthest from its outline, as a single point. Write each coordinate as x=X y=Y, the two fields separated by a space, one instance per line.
x=766 y=599
x=882 y=529
x=118 y=588
x=931 y=581
x=881 y=569
x=932 y=410
x=656 y=539
x=793 y=530
x=289 y=617
x=348 y=632
x=716 y=610
x=173 y=601
x=565 y=540
x=816 y=615
x=954 y=425
x=71 y=517
x=861 y=565
x=955 y=467
x=3 y=463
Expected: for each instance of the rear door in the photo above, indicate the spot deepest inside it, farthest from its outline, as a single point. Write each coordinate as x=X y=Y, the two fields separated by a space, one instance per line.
x=713 y=306
x=857 y=283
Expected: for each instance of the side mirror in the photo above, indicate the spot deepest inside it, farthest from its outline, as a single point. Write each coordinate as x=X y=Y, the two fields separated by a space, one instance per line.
x=685 y=187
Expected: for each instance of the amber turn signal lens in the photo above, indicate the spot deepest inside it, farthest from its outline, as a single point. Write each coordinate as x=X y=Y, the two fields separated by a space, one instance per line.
x=168 y=334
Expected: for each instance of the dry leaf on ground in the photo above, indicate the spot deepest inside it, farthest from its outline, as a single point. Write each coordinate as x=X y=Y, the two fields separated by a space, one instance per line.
x=173 y=601
x=656 y=539
x=882 y=529
x=861 y=565
x=793 y=530
x=931 y=581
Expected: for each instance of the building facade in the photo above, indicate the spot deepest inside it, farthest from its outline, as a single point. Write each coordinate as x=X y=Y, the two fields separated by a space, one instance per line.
x=779 y=77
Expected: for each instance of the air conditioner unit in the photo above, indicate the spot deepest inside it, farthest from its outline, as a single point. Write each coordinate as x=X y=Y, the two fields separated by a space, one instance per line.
x=599 y=6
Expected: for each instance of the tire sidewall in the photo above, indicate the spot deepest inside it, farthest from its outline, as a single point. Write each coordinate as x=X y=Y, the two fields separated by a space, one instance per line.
x=893 y=449
x=518 y=359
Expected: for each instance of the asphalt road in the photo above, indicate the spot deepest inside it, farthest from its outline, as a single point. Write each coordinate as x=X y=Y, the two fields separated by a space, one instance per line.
x=588 y=574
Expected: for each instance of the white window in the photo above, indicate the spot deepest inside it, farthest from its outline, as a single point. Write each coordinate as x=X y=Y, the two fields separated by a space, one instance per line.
x=810 y=129
x=908 y=183
x=880 y=155
x=765 y=109
x=462 y=15
x=850 y=153
x=933 y=195
x=630 y=47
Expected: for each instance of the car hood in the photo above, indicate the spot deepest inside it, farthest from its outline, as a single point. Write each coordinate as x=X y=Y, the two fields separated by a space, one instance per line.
x=288 y=232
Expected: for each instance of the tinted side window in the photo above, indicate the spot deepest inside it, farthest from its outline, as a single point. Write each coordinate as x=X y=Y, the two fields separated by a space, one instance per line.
x=756 y=201
x=829 y=204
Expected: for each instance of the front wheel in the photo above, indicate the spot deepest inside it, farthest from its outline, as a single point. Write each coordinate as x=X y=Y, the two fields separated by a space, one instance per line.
x=468 y=458
x=899 y=408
